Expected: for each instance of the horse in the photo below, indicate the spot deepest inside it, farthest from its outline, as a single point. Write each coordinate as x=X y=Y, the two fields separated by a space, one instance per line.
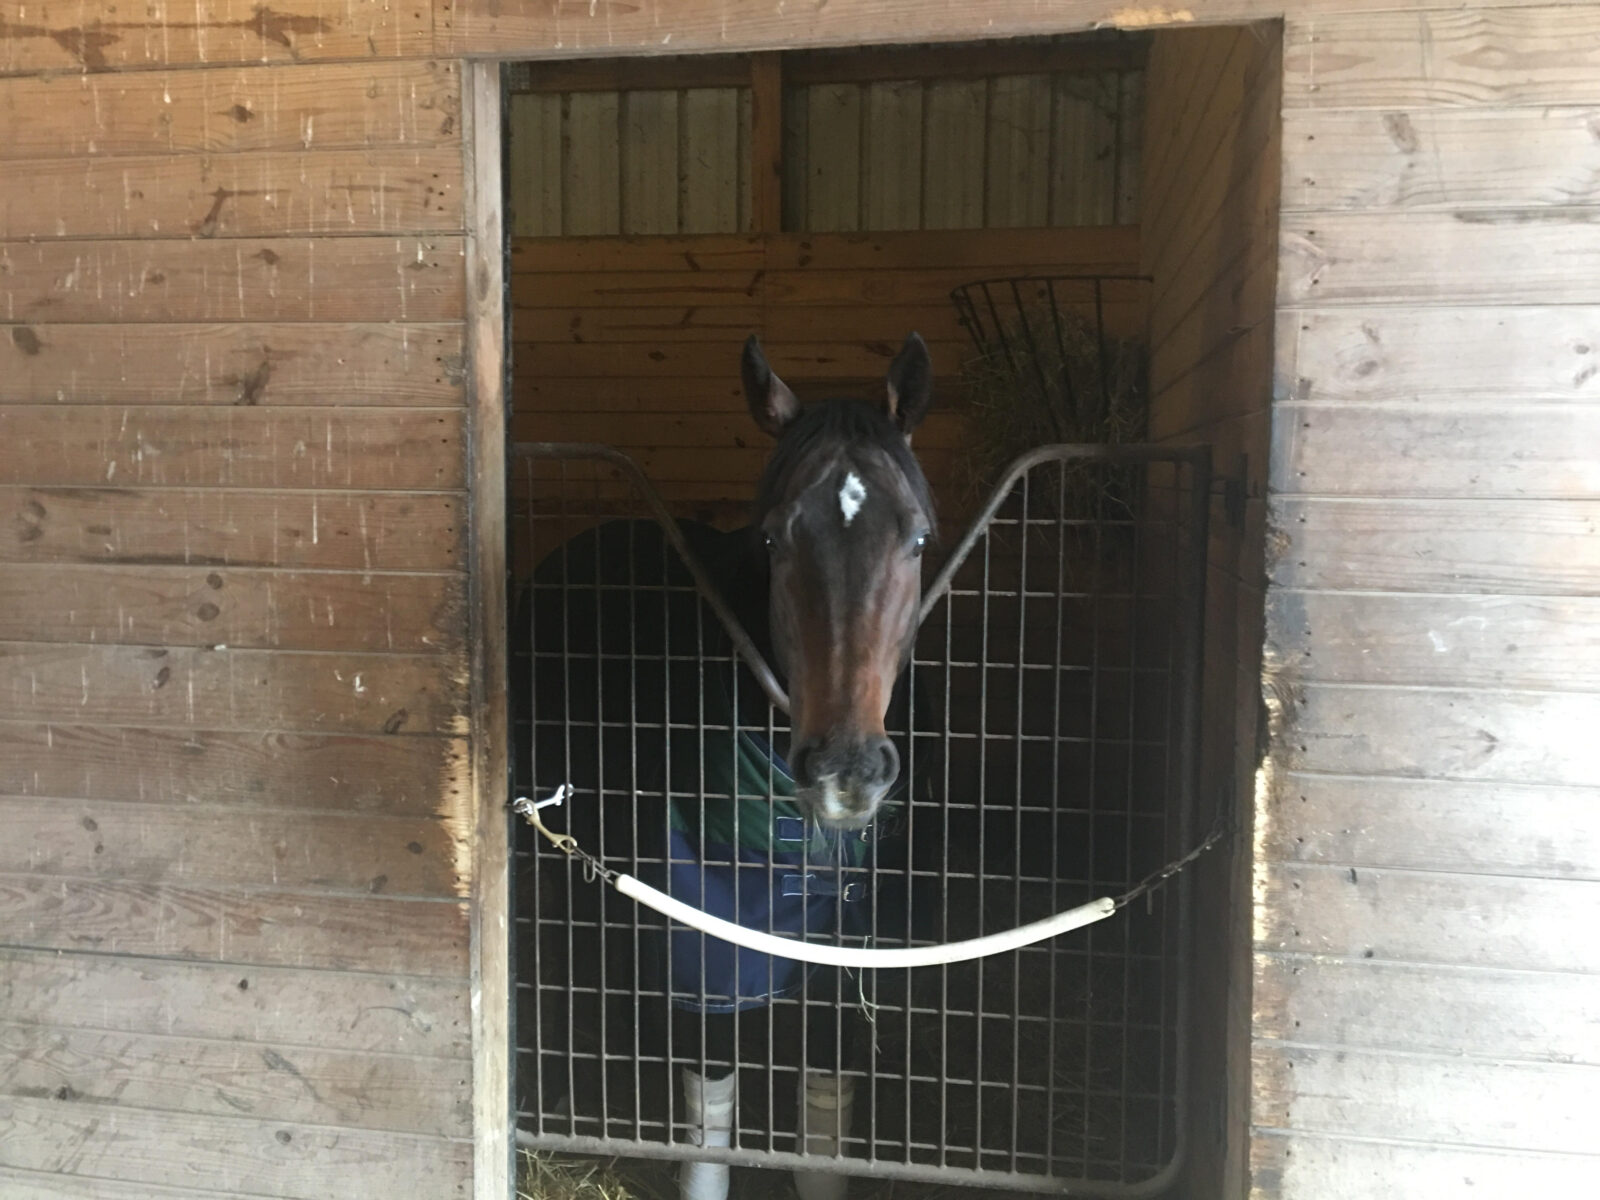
x=636 y=696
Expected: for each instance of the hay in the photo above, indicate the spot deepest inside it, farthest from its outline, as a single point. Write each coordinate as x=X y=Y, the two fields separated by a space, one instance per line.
x=545 y=1176
x=1050 y=380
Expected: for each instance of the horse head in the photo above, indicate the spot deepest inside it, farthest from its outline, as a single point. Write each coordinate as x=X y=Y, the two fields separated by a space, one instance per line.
x=845 y=511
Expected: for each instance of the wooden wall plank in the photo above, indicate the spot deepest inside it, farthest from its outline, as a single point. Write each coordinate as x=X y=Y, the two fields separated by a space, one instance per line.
x=379 y=279
x=42 y=39
x=1399 y=59
x=1495 y=828
x=1017 y=152
x=1110 y=248
x=237 y=689
x=533 y=196
x=710 y=167
x=393 y=365
x=1508 y=547
x=229 y=1078
x=1518 y=1106
x=833 y=157
x=1454 y=356
x=649 y=161
x=272 y=194
x=954 y=135
x=768 y=168
x=171 y=446
x=235 y=1155
x=395 y=776
x=324 y=107
x=813 y=285
x=1428 y=917
x=701 y=360
x=233 y=528
x=212 y=846
x=41 y=1185
x=1086 y=169
x=1470 y=1012
x=245 y=609
x=891 y=158
x=1531 y=451
x=1442 y=158
x=225 y=924
x=1495 y=737
x=354 y=1012
x=1437 y=641
x=1492 y=256
x=591 y=187
x=1313 y=1165
x=1131 y=134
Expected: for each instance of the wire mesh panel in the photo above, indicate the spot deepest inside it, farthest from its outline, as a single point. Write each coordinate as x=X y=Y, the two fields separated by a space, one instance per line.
x=1046 y=730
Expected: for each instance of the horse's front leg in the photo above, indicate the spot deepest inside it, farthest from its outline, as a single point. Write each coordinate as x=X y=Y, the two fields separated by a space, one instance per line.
x=707 y=1098
x=827 y=1094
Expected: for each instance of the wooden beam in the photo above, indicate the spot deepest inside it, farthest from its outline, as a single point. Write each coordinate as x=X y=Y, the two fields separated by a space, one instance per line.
x=766 y=143
x=637 y=74
x=493 y=1111
x=876 y=64
x=1118 y=52
x=491 y=28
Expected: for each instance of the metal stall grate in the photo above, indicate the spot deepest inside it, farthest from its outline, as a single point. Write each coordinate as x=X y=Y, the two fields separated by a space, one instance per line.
x=1048 y=738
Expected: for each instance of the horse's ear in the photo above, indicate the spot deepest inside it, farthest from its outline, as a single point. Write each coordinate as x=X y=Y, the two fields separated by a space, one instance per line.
x=910 y=384
x=771 y=402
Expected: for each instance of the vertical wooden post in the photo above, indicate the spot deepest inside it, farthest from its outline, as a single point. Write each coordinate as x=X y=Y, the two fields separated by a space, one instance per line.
x=492 y=1111
x=766 y=143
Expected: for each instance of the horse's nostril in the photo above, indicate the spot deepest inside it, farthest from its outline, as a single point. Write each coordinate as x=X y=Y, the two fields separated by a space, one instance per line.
x=800 y=761
x=889 y=759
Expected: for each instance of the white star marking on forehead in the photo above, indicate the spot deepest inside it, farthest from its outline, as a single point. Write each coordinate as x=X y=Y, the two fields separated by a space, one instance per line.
x=851 y=496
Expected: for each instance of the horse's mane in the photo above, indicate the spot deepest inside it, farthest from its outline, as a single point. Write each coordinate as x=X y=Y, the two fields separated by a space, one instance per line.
x=842 y=423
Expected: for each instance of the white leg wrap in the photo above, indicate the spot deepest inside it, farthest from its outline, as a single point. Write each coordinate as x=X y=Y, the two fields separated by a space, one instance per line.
x=827 y=1101
x=709 y=1103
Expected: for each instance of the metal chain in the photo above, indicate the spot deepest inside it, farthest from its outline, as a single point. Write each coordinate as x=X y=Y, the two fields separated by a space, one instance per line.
x=594 y=869
x=1158 y=878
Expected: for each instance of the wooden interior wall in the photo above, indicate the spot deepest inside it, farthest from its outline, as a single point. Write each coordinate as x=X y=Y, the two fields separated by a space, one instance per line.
x=640 y=161
x=1007 y=151
x=1025 y=135
x=1210 y=244
x=1427 y=1011
x=636 y=342
x=234 y=950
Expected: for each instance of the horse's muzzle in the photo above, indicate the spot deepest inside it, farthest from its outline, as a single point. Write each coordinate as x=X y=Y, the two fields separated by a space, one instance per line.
x=842 y=779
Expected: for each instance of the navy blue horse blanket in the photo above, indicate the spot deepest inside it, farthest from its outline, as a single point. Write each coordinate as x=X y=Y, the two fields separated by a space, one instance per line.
x=677 y=760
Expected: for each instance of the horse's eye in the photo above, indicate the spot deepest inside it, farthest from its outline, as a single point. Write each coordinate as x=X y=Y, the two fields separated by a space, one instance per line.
x=919 y=544
x=767 y=538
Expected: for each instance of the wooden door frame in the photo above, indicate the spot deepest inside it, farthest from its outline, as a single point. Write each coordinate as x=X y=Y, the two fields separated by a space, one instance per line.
x=493 y=1107
x=487 y=339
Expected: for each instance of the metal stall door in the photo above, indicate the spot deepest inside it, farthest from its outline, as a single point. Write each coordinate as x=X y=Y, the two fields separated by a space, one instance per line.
x=1048 y=733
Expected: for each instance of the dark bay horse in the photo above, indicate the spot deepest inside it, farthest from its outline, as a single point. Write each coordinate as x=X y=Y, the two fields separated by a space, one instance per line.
x=638 y=702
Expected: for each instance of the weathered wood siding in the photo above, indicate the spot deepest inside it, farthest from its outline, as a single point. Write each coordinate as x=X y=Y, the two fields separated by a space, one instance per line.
x=636 y=342
x=1425 y=866
x=233 y=684
x=1428 y=880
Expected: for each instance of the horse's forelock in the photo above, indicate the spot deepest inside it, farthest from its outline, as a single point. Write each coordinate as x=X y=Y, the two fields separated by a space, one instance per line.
x=830 y=431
